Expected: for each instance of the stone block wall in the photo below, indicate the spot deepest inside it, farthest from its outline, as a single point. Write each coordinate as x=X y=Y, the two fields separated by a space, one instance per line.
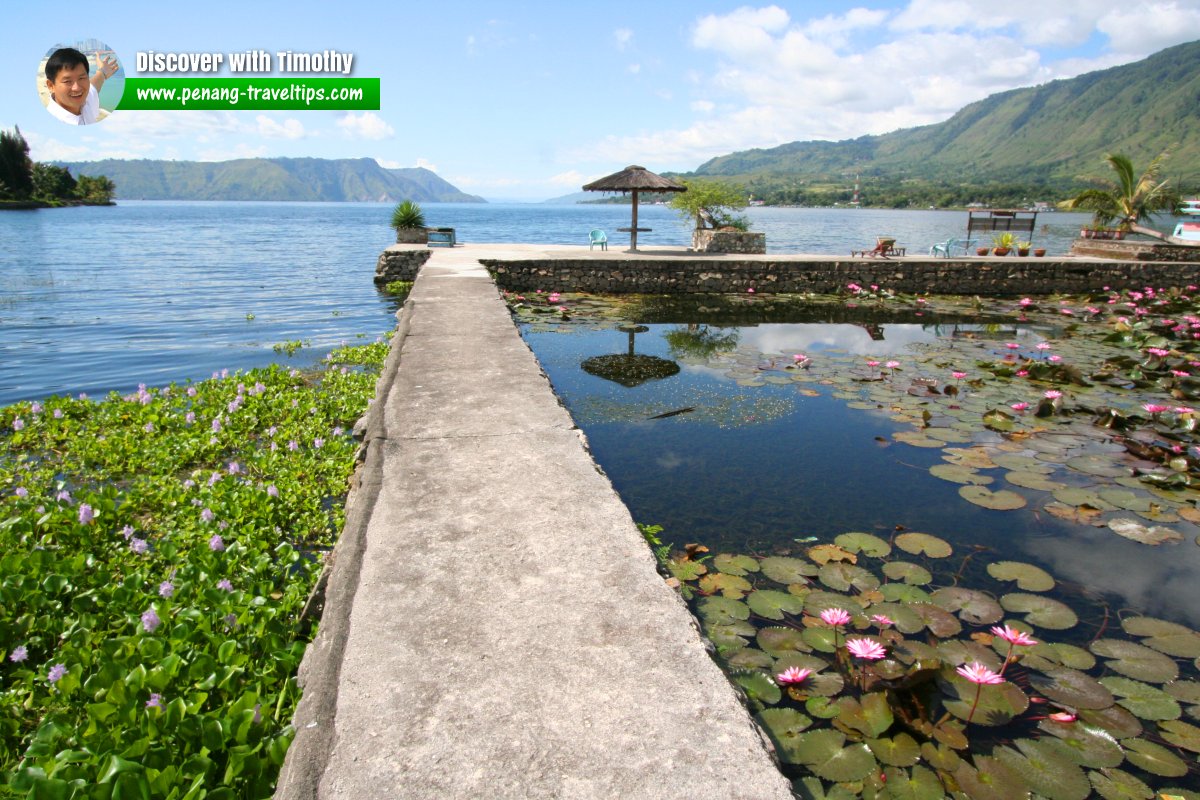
x=707 y=240
x=1140 y=250
x=399 y=263
x=997 y=277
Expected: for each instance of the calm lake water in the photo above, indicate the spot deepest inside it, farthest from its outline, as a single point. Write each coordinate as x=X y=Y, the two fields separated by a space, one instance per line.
x=99 y=299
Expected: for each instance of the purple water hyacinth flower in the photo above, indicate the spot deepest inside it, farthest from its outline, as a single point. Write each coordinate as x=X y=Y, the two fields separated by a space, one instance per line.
x=293 y=373
x=63 y=496
x=225 y=585
x=207 y=515
x=138 y=545
x=231 y=620
x=224 y=374
x=155 y=701
x=56 y=673
x=166 y=589
x=191 y=391
x=234 y=468
x=339 y=430
x=83 y=396
x=260 y=387
x=271 y=431
x=318 y=443
x=222 y=524
x=216 y=425
x=274 y=446
x=150 y=620
x=190 y=417
x=216 y=376
x=293 y=445
x=86 y=514
x=149 y=427
x=272 y=491
x=18 y=424
x=212 y=479
x=189 y=484
x=233 y=406
x=127 y=531
x=58 y=413
x=19 y=654
x=21 y=491
x=216 y=543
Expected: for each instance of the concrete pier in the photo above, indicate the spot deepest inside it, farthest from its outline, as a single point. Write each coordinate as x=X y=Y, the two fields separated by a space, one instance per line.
x=494 y=624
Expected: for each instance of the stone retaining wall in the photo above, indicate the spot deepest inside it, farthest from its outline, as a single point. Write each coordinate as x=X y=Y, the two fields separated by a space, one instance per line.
x=992 y=276
x=706 y=240
x=1134 y=251
x=399 y=264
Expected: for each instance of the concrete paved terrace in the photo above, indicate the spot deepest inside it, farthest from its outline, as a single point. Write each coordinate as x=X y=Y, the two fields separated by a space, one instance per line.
x=494 y=625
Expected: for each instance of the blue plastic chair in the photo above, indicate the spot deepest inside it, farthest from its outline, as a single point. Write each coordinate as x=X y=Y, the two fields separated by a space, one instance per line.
x=597 y=237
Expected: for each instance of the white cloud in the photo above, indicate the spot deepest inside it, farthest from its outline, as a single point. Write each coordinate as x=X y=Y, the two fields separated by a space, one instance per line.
x=861 y=71
x=240 y=150
x=289 y=129
x=570 y=178
x=387 y=163
x=623 y=37
x=426 y=164
x=367 y=125
x=634 y=69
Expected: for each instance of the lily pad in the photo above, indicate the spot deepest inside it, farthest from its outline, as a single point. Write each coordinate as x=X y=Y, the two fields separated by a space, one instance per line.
x=988 y=778
x=1114 y=719
x=913 y=574
x=732 y=586
x=1154 y=758
x=1184 y=691
x=722 y=610
x=1181 y=734
x=865 y=543
x=920 y=783
x=997 y=704
x=748 y=658
x=1092 y=747
x=1027 y=576
x=1027 y=479
x=1044 y=612
x=1165 y=637
x=917 y=439
x=1144 y=700
x=1001 y=500
x=940 y=756
x=972 y=606
x=824 y=553
x=1074 y=496
x=758 y=685
x=904 y=618
x=1071 y=688
x=1117 y=784
x=778 y=642
x=784 y=726
x=923 y=543
x=732 y=635
x=1046 y=655
x=973 y=457
x=903 y=593
x=1132 y=529
x=939 y=621
x=1136 y=661
x=773 y=604
x=870 y=715
x=787 y=570
x=731 y=564
x=823 y=752
x=1126 y=499
x=1049 y=770
x=841 y=577
x=1098 y=464
x=900 y=750
x=955 y=473
x=1021 y=463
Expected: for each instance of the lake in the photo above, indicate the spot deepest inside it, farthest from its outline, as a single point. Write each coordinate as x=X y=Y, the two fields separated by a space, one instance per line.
x=99 y=299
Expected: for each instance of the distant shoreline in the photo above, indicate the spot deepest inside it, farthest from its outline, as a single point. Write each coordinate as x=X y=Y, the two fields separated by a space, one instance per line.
x=32 y=205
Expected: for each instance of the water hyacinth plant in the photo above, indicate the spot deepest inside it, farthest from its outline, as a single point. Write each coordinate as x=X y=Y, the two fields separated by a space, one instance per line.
x=156 y=551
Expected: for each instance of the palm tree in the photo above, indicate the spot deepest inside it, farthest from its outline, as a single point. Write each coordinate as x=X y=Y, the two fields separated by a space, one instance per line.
x=1130 y=198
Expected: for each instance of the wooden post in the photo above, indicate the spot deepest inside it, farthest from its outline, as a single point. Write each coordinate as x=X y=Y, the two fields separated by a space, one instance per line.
x=633 y=233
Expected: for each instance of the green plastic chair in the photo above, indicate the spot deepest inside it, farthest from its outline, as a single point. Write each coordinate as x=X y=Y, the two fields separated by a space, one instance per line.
x=597 y=237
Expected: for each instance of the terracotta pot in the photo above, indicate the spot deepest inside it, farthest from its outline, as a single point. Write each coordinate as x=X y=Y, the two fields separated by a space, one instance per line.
x=1022 y=251
x=1039 y=252
x=1086 y=233
x=981 y=251
x=1001 y=251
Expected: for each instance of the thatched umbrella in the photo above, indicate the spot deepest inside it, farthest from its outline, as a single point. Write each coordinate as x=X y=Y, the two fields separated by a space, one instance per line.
x=630 y=369
x=634 y=179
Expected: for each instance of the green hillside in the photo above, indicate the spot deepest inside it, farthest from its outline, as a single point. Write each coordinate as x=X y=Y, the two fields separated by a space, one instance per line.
x=1020 y=145
x=314 y=179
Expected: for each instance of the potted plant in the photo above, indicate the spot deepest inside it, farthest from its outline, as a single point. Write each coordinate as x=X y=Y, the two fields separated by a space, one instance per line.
x=1039 y=252
x=1126 y=200
x=981 y=251
x=1023 y=248
x=409 y=222
x=710 y=204
x=1003 y=243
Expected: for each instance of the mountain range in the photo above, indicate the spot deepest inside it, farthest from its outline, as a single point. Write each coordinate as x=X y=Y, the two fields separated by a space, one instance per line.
x=1024 y=141
x=313 y=179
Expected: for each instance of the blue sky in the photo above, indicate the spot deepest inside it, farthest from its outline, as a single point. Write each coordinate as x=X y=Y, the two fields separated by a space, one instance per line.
x=529 y=100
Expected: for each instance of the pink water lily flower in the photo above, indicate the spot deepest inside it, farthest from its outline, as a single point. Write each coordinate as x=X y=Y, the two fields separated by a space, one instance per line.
x=835 y=616
x=980 y=674
x=1019 y=406
x=882 y=620
x=892 y=364
x=793 y=675
x=1155 y=408
x=867 y=649
x=958 y=375
x=1014 y=636
x=1052 y=394
x=1064 y=717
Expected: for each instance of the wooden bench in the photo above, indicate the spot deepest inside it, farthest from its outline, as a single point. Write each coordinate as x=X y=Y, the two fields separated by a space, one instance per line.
x=441 y=237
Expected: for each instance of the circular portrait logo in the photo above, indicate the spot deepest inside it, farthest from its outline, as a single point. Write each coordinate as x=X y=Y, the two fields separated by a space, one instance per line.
x=80 y=83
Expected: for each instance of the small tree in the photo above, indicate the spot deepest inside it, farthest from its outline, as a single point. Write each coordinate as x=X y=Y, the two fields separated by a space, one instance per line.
x=16 y=170
x=709 y=203
x=1130 y=198
x=52 y=183
x=407 y=215
x=95 y=190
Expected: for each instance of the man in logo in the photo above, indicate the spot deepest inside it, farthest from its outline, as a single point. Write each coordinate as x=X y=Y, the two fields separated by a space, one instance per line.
x=74 y=97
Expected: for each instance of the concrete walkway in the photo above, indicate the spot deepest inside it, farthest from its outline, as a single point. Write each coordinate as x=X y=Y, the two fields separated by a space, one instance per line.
x=494 y=624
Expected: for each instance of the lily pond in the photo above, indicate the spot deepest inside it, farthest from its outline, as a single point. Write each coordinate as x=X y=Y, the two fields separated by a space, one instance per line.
x=945 y=546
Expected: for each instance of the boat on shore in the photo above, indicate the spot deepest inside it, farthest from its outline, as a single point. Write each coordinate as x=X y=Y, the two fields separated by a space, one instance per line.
x=1190 y=207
